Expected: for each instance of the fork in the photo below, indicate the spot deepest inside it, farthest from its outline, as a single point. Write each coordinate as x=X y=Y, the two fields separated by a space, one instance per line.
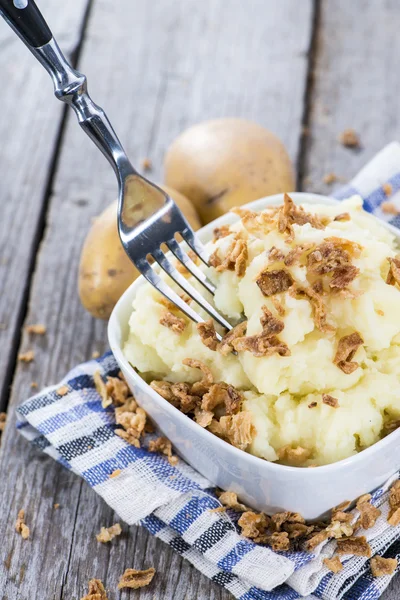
x=147 y=216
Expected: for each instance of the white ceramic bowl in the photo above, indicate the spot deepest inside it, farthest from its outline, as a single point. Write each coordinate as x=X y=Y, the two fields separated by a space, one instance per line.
x=261 y=484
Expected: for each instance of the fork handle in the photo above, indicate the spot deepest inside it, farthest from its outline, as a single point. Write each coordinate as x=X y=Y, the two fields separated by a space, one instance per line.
x=26 y=19
x=70 y=85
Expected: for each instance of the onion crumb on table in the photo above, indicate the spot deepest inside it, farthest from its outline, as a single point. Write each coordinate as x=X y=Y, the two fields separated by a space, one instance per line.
x=135 y=579
x=96 y=591
x=349 y=138
x=20 y=525
x=109 y=533
x=26 y=357
x=330 y=178
x=3 y=419
x=147 y=164
x=36 y=329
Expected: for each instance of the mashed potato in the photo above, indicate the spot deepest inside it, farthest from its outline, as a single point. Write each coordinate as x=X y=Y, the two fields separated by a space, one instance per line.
x=307 y=405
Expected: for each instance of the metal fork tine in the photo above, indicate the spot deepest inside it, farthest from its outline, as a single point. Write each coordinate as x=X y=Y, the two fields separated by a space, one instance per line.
x=155 y=280
x=165 y=264
x=190 y=265
x=196 y=246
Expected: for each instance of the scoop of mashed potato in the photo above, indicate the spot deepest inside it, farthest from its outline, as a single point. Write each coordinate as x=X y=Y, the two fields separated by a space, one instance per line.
x=319 y=364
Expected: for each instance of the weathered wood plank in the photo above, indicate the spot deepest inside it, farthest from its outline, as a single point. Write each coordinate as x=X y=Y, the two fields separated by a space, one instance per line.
x=29 y=129
x=354 y=77
x=156 y=67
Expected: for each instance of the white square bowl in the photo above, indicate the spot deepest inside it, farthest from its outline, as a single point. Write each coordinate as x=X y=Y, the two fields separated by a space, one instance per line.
x=261 y=484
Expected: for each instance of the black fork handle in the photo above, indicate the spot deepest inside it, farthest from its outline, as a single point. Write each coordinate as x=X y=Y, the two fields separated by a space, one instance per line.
x=27 y=21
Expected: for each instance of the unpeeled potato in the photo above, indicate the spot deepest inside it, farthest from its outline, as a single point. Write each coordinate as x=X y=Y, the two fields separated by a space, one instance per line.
x=105 y=270
x=224 y=163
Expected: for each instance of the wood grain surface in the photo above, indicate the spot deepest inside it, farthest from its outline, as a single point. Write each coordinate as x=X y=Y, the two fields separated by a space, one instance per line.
x=156 y=68
x=354 y=75
x=30 y=126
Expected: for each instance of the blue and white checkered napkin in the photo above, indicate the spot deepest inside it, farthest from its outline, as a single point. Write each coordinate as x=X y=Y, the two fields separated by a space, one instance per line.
x=174 y=503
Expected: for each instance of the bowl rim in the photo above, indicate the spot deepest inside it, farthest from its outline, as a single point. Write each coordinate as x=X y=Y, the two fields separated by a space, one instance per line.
x=116 y=348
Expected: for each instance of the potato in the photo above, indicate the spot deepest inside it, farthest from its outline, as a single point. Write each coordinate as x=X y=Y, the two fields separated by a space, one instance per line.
x=225 y=163
x=105 y=270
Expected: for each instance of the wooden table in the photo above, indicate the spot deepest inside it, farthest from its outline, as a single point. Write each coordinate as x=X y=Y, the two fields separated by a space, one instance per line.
x=307 y=70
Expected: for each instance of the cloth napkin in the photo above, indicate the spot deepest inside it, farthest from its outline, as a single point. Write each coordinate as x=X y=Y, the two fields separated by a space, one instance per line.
x=174 y=502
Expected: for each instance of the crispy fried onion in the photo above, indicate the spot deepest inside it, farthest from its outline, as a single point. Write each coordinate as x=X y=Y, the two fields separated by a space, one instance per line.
x=381 y=566
x=333 y=256
x=314 y=295
x=394 y=504
x=226 y=345
x=235 y=259
x=347 y=347
x=208 y=335
x=290 y=214
x=274 y=282
x=265 y=343
x=215 y=406
x=237 y=429
x=286 y=530
x=393 y=275
x=176 y=324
